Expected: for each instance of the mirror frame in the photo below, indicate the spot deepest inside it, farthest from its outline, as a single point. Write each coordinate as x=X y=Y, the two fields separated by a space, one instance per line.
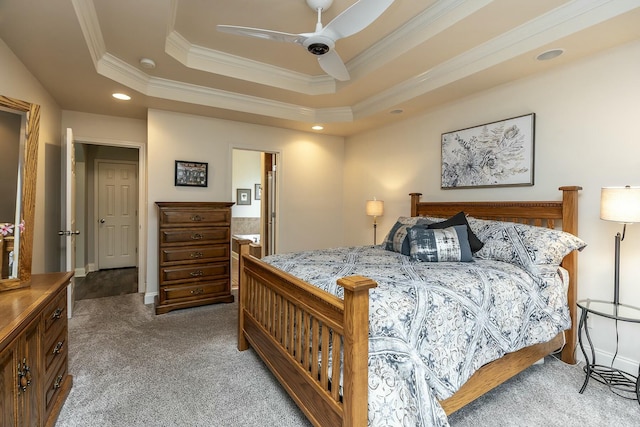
x=28 y=199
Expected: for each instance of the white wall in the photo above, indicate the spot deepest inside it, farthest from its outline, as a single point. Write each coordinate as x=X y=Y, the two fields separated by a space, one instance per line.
x=103 y=129
x=17 y=82
x=586 y=134
x=309 y=202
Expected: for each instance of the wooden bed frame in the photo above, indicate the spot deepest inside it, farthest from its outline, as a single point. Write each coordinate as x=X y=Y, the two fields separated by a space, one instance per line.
x=280 y=315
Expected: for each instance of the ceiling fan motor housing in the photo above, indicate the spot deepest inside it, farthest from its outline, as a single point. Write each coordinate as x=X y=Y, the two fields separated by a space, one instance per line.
x=319 y=4
x=318 y=45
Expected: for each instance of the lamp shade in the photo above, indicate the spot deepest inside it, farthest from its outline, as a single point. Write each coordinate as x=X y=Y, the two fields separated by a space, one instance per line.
x=620 y=204
x=374 y=207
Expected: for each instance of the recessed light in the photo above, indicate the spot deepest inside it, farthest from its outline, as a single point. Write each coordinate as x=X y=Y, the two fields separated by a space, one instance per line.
x=121 y=96
x=550 y=54
x=317 y=127
x=147 y=63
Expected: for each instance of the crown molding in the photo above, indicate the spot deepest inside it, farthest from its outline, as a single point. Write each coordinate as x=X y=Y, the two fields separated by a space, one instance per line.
x=90 y=26
x=565 y=20
x=418 y=30
x=216 y=62
x=118 y=70
x=422 y=27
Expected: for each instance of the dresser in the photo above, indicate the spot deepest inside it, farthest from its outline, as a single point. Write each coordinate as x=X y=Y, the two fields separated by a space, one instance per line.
x=194 y=254
x=34 y=378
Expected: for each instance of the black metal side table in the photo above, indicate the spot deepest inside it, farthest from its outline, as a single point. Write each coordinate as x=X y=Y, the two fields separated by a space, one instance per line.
x=620 y=382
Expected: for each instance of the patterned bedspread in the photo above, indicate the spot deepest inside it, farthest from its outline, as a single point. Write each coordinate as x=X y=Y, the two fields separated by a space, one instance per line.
x=432 y=325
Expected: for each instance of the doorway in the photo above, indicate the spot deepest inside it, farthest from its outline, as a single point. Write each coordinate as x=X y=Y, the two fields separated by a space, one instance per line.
x=253 y=217
x=108 y=204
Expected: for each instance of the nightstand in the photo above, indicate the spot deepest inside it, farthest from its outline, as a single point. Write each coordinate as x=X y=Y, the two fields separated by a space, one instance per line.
x=620 y=382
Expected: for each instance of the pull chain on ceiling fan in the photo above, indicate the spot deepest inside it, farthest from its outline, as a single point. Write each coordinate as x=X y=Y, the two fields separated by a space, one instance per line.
x=322 y=41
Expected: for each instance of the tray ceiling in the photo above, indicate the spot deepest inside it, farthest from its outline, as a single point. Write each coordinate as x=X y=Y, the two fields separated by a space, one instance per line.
x=416 y=56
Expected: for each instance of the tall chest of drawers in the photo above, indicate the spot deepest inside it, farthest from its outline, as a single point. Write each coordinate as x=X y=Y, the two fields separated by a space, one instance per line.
x=194 y=249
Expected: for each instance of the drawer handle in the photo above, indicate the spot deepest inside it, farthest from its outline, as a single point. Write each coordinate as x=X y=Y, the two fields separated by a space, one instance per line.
x=24 y=376
x=196 y=218
x=197 y=254
x=56 y=314
x=58 y=347
x=197 y=291
x=58 y=382
x=197 y=236
x=197 y=273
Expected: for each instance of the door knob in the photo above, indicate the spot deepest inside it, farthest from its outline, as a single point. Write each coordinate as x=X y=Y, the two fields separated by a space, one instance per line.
x=102 y=221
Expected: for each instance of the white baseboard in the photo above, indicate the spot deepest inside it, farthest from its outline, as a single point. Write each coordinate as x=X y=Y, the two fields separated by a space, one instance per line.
x=150 y=297
x=91 y=267
x=80 y=272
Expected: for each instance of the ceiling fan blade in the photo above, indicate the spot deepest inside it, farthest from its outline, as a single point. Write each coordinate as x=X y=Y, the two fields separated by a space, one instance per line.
x=355 y=18
x=332 y=64
x=262 y=34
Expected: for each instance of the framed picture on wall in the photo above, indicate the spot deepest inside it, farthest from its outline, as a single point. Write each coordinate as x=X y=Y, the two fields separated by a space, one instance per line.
x=243 y=196
x=191 y=174
x=258 y=192
x=496 y=154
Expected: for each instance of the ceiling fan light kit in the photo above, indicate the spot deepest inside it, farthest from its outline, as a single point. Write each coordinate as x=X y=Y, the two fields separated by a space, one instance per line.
x=321 y=43
x=318 y=45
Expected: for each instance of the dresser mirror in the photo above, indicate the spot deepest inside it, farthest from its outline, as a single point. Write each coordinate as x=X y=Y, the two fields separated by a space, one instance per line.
x=19 y=129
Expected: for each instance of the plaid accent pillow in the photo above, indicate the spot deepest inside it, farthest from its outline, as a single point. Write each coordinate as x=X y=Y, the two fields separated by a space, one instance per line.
x=439 y=245
x=396 y=240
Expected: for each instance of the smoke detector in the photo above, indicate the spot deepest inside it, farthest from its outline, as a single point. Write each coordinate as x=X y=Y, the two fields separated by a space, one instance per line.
x=147 y=63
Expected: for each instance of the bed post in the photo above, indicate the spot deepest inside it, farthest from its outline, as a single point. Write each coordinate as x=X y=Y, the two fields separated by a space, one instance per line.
x=356 y=349
x=415 y=199
x=570 y=262
x=243 y=344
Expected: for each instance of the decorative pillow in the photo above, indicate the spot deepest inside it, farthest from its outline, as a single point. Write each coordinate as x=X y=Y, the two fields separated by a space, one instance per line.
x=461 y=219
x=525 y=245
x=439 y=245
x=396 y=240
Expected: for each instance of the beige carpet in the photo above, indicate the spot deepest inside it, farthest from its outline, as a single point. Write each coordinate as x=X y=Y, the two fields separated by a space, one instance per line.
x=133 y=368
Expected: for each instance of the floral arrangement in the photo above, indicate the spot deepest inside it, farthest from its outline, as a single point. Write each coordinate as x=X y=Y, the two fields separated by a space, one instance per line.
x=7 y=228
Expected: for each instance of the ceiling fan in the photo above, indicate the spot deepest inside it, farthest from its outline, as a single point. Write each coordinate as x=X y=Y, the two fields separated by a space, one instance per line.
x=322 y=42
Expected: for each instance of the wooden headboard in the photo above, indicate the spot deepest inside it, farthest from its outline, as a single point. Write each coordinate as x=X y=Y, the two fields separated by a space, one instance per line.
x=552 y=214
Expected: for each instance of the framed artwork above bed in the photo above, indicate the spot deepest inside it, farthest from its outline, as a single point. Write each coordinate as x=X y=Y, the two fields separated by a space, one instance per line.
x=494 y=154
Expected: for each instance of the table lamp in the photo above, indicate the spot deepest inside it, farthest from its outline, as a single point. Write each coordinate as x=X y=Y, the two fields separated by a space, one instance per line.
x=374 y=208
x=619 y=204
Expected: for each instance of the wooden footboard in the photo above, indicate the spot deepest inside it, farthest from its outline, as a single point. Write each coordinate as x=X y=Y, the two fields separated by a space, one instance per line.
x=279 y=316
x=297 y=328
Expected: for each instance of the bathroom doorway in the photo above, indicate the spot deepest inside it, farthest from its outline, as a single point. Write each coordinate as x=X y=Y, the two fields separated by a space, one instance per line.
x=253 y=217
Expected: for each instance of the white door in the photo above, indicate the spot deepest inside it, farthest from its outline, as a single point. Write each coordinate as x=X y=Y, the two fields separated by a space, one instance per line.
x=69 y=233
x=117 y=214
